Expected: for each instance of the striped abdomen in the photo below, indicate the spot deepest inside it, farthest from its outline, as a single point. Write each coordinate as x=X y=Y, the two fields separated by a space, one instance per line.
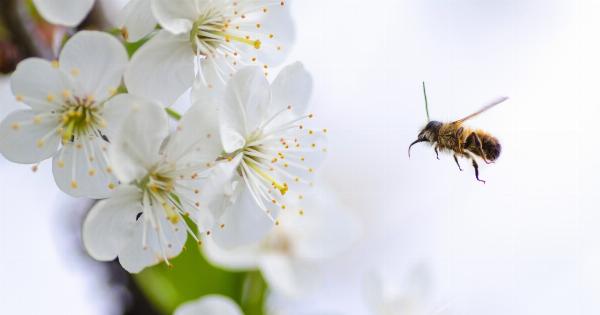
x=484 y=145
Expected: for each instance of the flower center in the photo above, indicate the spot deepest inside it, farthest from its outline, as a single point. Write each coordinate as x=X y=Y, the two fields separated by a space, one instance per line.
x=161 y=189
x=253 y=164
x=78 y=116
x=212 y=32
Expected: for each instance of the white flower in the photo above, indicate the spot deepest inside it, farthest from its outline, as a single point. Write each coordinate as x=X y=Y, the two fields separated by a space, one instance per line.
x=221 y=35
x=67 y=107
x=270 y=154
x=64 y=12
x=210 y=305
x=412 y=296
x=303 y=237
x=136 y=20
x=143 y=223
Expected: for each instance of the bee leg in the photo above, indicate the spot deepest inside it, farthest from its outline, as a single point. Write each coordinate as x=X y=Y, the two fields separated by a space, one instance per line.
x=476 y=167
x=456 y=160
x=437 y=153
x=480 y=147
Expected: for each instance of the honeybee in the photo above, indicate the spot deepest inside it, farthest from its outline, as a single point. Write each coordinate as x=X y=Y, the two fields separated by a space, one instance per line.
x=461 y=141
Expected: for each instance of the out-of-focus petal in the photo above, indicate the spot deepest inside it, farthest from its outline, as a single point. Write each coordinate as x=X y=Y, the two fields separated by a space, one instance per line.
x=243 y=221
x=136 y=20
x=210 y=305
x=279 y=272
x=64 y=12
x=239 y=259
x=325 y=230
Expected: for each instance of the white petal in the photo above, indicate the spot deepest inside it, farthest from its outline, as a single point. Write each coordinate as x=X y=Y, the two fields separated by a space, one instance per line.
x=247 y=97
x=313 y=233
x=277 y=22
x=167 y=242
x=109 y=225
x=80 y=169
x=374 y=291
x=96 y=62
x=214 y=73
x=210 y=305
x=279 y=272
x=64 y=12
x=238 y=259
x=135 y=147
x=27 y=137
x=292 y=87
x=244 y=222
x=136 y=20
x=197 y=137
x=116 y=111
x=162 y=69
x=39 y=84
x=216 y=193
x=176 y=17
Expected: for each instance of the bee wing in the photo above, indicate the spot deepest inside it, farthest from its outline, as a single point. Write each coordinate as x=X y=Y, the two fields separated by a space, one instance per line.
x=485 y=108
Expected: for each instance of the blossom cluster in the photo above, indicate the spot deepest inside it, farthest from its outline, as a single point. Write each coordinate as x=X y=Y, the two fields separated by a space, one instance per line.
x=243 y=153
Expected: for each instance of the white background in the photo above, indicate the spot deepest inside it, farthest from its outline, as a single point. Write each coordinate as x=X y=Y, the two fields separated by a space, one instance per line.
x=524 y=243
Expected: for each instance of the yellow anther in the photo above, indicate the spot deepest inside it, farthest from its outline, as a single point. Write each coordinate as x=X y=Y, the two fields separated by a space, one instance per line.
x=174 y=219
x=75 y=72
x=66 y=93
x=40 y=143
x=15 y=126
x=50 y=98
x=111 y=186
x=19 y=98
x=37 y=120
x=55 y=64
x=74 y=184
x=125 y=33
x=60 y=164
x=92 y=172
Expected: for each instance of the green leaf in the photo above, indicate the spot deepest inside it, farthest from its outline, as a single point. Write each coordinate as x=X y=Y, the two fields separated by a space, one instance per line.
x=192 y=277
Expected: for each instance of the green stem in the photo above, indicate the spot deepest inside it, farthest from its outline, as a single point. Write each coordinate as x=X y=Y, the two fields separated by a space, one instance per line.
x=254 y=293
x=173 y=113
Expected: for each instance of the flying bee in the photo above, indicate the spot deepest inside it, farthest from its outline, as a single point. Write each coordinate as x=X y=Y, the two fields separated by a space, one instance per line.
x=459 y=140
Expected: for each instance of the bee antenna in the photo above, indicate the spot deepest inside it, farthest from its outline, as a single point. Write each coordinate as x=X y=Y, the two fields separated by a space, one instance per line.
x=426 y=103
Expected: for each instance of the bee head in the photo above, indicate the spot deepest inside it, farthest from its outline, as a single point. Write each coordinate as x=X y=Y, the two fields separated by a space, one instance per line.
x=427 y=134
x=430 y=132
